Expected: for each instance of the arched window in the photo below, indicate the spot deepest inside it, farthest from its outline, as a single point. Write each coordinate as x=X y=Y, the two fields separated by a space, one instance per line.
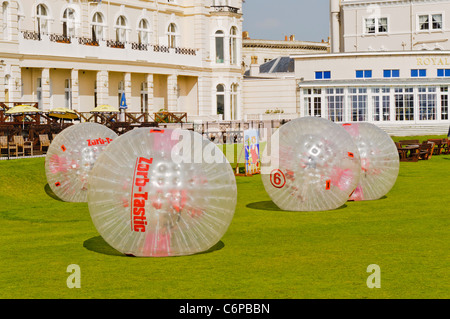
x=42 y=19
x=68 y=21
x=234 y=102
x=143 y=32
x=171 y=34
x=233 y=45
x=220 y=94
x=219 y=47
x=121 y=29
x=5 y=15
x=97 y=26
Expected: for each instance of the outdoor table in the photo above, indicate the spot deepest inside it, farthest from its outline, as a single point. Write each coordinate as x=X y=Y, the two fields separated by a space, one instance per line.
x=409 y=150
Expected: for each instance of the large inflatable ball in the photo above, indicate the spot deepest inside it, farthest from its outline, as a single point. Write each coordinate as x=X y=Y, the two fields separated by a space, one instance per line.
x=310 y=164
x=72 y=155
x=379 y=161
x=157 y=192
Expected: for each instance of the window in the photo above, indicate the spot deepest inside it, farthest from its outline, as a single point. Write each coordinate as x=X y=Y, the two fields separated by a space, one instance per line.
x=427 y=103
x=444 y=102
x=69 y=22
x=234 y=101
x=97 y=26
x=219 y=47
x=68 y=93
x=381 y=104
x=418 y=73
x=121 y=29
x=143 y=32
x=319 y=75
x=121 y=91
x=313 y=102
x=5 y=25
x=391 y=73
x=233 y=46
x=443 y=72
x=144 y=98
x=220 y=95
x=171 y=35
x=42 y=19
x=358 y=104
x=430 y=22
x=335 y=104
x=361 y=74
x=404 y=104
x=39 y=92
x=376 y=25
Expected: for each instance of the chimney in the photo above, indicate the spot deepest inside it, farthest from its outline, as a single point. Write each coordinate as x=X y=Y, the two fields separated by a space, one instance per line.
x=292 y=37
x=285 y=38
x=254 y=66
x=245 y=35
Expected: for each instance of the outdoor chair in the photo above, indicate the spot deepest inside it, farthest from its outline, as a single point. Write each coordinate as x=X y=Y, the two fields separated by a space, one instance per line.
x=22 y=145
x=426 y=150
x=44 y=142
x=437 y=146
x=4 y=145
x=445 y=149
x=409 y=142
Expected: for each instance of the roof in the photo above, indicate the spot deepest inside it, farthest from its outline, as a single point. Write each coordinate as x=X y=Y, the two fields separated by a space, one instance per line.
x=278 y=65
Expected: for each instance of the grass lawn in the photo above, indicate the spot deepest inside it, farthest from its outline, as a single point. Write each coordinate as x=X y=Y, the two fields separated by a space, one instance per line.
x=266 y=253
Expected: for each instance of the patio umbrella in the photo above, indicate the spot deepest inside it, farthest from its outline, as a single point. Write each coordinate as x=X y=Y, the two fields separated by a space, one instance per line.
x=23 y=109
x=105 y=109
x=63 y=113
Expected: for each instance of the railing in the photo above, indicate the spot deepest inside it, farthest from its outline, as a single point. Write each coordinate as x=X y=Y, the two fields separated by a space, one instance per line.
x=88 y=41
x=60 y=38
x=31 y=35
x=115 y=44
x=225 y=9
x=161 y=48
x=139 y=46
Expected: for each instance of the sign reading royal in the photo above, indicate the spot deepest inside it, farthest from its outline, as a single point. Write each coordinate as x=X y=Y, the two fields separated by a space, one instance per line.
x=433 y=61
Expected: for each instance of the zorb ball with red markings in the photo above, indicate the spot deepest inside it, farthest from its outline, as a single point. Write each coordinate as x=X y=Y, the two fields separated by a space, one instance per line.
x=72 y=155
x=310 y=164
x=160 y=192
x=379 y=161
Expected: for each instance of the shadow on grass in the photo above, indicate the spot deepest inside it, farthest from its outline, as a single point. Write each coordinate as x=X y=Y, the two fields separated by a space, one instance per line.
x=99 y=245
x=271 y=206
x=50 y=193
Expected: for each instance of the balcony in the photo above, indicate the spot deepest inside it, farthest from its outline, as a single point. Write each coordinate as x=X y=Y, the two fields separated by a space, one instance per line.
x=35 y=44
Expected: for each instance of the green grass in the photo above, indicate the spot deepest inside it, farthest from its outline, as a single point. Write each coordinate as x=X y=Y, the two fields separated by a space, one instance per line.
x=266 y=253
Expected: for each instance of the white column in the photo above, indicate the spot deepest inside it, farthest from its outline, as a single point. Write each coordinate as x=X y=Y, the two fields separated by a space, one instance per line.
x=150 y=86
x=75 y=90
x=227 y=106
x=45 y=81
x=127 y=84
x=102 y=87
x=172 y=93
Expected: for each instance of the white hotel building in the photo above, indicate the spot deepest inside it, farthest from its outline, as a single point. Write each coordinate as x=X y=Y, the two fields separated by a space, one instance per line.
x=389 y=64
x=174 y=55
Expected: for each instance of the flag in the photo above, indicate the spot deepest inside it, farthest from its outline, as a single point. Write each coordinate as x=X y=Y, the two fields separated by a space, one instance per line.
x=123 y=102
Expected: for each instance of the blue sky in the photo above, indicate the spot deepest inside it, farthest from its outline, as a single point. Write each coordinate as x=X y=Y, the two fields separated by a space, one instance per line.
x=308 y=20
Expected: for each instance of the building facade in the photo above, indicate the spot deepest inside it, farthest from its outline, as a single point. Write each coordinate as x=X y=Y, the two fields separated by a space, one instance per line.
x=179 y=56
x=389 y=64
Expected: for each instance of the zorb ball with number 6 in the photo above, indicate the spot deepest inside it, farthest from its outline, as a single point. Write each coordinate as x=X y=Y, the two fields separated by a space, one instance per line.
x=379 y=161
x=71 y=156
x=310 y=164
x=157 y=192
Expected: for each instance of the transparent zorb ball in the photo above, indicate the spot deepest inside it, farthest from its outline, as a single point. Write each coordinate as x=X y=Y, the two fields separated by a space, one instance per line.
x=72 y=155
x=380 y=162
x=310 y=164
x=162 y=193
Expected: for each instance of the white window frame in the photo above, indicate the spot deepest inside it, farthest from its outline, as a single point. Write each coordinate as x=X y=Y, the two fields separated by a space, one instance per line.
x=144 y=32
x=69 y=22
x=98 y=27
x=120 y=28
x=430 y=21
x=376 y=25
